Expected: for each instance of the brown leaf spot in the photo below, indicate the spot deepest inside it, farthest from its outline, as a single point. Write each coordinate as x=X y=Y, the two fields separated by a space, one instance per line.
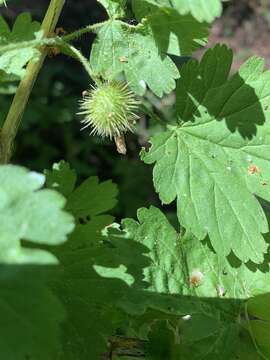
x=196 y=277
x=253 y=169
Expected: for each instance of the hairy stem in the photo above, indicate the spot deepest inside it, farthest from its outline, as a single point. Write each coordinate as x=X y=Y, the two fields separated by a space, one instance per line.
x=85 y=63
x=30 y=43
x=25 y=87
x=90 y=28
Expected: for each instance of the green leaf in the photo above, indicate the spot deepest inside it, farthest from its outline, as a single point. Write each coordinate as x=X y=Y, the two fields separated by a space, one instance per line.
x=85 y=294
x=89 y=199
x=162 y=343
x=14 y=61
x=259 y=306
x=202 y=10
x=260 y=332
x=61 y=178
x=198 y=78
x=28 y=213
x=220 y=345
x=30 y=316
x=114 y=8
x=165 y=274
x=173 y=33
x=100 y=281
x=174 y=262
x=7 y=83
x=30 y=313
x=217 y=159
x=136 y=54
x=245 y=348
x=92 y=198
x=220 y=277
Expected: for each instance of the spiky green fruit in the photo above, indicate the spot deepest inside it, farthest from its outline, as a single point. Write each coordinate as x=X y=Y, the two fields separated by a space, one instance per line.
x=109 y=109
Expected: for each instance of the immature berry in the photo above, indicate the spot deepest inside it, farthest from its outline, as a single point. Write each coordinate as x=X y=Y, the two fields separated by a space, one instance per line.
x=109 y=109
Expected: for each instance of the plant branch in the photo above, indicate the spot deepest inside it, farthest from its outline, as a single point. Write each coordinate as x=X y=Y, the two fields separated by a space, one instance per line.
x=30 y=43
x=90 y=28
x=25 y=87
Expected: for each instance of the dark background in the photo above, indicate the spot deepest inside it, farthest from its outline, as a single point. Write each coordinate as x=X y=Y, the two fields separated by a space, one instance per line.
x=50 y=128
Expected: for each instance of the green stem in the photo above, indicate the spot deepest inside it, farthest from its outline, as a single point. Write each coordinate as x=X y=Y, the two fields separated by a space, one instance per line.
x=55 y=40
x=12 y=122
x=31 y=43
x=130 y=26
x=85 y=63
x=76 y=34
x=90 y=28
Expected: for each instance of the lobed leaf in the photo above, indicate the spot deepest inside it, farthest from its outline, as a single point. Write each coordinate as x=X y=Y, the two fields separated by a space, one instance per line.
x=61 y=178
x=85 y=294
x=100 y=281
x=12 y=62
x=207 y=331
x=135 y=53
x=92 y=198
x=28 y=213
x=118 y=50
x=30 y=313
x=103 y=283
x=174 y=260
x=202 y=10
x=217 y=159
x=174 y=33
